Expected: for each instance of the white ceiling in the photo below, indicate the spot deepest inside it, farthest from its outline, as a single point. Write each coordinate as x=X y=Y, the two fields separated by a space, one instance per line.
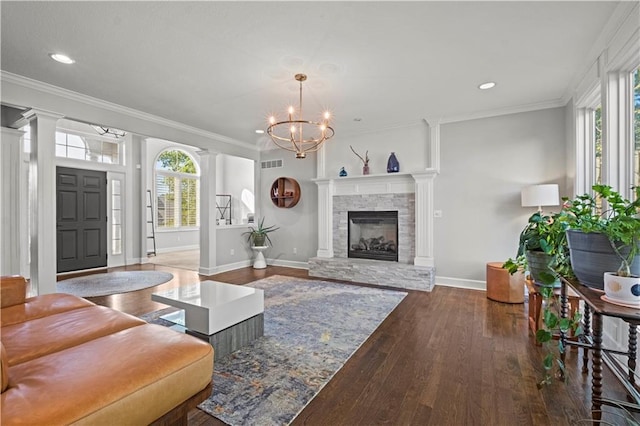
x=225 y=66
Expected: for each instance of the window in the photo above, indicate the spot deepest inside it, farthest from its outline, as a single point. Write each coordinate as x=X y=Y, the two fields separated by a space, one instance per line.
x=636 y=126
x=95 y=149
x=116 y=217
x=177 y=189
x=597 y=140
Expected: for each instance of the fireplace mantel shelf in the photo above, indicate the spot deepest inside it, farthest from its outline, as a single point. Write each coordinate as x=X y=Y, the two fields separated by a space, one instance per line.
x=377 y=176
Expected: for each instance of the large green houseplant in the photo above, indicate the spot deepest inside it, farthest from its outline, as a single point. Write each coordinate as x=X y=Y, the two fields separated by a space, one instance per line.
x=542 y=247
x=603 y=235
x=258 y=236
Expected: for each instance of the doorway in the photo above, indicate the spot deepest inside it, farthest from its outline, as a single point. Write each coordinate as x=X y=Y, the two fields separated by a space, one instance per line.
x=81 y=198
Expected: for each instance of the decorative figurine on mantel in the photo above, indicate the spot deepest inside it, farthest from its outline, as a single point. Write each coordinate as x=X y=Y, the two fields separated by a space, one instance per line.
x=393 y=166
x=343 y=172
x=365 y=161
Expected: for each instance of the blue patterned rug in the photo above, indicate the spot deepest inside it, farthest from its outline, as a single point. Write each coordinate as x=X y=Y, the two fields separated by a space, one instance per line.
x=311 y=329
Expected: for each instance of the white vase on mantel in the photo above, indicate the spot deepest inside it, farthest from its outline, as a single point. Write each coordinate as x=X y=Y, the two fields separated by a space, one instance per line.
x=622 y=290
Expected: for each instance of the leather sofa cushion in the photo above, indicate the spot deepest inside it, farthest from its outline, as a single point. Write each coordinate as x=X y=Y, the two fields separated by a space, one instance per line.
x=41 y=306
x=41 y=336
x=131 y=377
x=4 y=368
x=13 y=290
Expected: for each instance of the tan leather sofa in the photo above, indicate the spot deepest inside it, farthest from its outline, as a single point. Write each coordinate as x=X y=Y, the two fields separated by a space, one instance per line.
x=65 y=360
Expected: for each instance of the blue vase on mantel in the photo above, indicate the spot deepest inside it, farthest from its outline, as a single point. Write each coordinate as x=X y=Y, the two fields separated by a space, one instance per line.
x=393 y=166
x=343 y=172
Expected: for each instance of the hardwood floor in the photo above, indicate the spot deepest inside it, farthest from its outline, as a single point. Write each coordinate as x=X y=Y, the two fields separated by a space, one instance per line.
x=449 y=357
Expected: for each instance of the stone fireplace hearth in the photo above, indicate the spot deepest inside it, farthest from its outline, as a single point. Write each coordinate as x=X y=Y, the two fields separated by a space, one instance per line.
x=410 y=195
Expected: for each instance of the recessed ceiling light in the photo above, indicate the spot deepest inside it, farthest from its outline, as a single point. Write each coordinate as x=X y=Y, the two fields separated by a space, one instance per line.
x=259 y=131
x=487 y=85
x=63 y=59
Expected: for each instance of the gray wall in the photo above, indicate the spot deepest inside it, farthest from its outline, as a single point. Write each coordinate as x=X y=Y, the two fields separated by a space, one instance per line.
x=232 y=246
x=299 y=224
x=484 y=165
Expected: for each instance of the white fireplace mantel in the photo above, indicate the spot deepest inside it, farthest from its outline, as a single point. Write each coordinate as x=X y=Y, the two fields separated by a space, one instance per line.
x=420 y=183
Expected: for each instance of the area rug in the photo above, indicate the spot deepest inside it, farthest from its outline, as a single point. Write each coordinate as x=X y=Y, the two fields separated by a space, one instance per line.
x=311 y=329
x=112 y=283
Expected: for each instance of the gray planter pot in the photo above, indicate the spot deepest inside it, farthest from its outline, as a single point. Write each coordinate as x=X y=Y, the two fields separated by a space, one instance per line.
x=538 y=262
x=591 y=256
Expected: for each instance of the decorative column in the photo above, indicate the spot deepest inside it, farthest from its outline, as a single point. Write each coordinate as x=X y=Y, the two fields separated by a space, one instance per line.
x=434 y=144
x=208 y=260
x=325 y=217
x=424 y=217
x=321 y=162
x=42 y=196
x=10 y=162
x=136 y=215
x=617 y=133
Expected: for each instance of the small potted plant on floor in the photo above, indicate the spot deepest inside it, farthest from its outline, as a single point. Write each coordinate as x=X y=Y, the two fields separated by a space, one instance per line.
x=259 y=235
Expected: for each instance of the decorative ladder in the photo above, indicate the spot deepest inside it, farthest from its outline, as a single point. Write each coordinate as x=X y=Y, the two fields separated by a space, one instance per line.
x=150 y=219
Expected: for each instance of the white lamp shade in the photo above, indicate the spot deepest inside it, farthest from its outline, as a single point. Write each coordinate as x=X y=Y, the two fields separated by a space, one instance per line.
x=540 y=195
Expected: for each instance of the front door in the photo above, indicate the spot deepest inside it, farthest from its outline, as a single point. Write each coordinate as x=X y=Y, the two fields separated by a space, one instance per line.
x=81 y=197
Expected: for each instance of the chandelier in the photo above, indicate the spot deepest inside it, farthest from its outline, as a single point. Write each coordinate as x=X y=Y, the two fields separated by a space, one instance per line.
x=299 y=135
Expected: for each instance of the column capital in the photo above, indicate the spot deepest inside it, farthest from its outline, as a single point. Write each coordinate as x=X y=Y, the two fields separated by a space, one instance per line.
x=32 y=113
x=12 y=132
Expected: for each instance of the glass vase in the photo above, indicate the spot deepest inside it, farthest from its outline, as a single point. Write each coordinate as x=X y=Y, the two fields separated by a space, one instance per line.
x=393 y=166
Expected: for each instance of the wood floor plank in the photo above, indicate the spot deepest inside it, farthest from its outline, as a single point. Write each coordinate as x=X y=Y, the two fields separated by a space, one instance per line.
x=447 y=357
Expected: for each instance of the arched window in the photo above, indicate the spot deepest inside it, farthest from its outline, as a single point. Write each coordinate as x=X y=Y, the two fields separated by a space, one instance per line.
x=177 y=189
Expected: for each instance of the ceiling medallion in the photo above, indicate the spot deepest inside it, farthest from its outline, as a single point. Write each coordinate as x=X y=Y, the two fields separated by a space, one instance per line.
x=290 y=134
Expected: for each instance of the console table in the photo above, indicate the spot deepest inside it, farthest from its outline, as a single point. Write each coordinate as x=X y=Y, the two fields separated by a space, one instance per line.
x=592 y=340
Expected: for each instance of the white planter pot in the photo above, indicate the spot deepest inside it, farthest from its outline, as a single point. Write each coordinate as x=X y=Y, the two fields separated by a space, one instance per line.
x=622 y=290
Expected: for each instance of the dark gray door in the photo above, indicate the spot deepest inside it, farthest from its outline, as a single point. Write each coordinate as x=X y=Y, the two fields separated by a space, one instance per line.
x=81 y=197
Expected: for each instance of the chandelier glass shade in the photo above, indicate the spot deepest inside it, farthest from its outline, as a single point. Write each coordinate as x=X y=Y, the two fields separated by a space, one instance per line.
x=297 y=134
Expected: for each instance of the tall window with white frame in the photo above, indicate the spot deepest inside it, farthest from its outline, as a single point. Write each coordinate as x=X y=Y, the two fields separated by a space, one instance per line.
x=177 y=190
x=597 y=144
x=636 y=126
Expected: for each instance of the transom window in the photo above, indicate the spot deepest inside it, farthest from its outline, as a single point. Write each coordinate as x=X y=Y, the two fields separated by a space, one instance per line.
x=95 y=149
x=177 y=189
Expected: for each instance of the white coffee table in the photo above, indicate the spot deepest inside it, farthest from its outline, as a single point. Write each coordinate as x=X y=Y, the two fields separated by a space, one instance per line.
x=228 y=316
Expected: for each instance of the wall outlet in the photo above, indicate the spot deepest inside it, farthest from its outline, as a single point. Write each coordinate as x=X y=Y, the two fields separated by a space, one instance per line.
x=232 y=251
x=295 y=250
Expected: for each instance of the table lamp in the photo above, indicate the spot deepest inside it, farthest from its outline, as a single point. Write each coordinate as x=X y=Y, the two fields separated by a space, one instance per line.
x=540 y=195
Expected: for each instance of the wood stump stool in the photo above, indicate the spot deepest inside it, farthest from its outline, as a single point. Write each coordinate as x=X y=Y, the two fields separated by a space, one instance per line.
x=503 y=287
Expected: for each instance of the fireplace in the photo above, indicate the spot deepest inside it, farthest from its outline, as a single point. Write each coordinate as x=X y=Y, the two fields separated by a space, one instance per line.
x=373 y=235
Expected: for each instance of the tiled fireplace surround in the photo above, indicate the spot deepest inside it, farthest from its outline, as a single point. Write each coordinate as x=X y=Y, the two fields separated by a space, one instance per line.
x=411 y=194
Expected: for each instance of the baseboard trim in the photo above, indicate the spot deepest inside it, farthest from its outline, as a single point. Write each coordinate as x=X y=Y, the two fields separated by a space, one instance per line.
x=182 y=248
x=288 y=263
x=233 y=266
x=461 y=283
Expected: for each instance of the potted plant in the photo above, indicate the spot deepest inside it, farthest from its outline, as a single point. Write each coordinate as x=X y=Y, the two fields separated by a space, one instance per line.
x=543 y=251
x=258 y=236
x=542 y=248
x=603 y=240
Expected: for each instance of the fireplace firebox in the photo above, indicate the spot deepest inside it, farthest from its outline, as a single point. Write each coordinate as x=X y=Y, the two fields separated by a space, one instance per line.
x=373 y=235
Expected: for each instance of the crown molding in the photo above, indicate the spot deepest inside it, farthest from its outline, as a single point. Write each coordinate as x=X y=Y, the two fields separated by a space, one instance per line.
x=625 y=14
x=99 y=103
x=555 y=103
x=432 y=119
